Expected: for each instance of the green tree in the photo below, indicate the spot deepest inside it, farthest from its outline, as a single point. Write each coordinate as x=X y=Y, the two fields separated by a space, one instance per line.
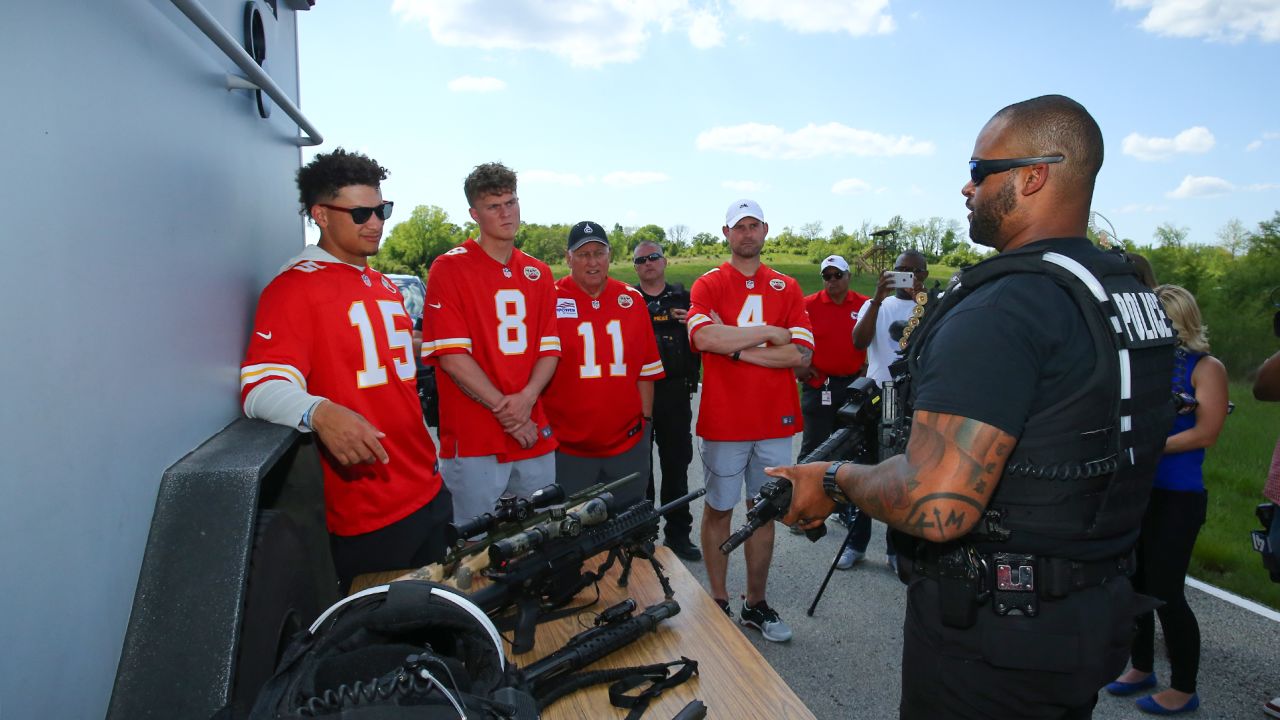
x=647 y=233
x=545 y=242
x=416 y=242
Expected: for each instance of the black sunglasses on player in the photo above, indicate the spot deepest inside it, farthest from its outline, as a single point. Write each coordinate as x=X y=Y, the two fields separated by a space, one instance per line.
x=651 y=257
x=980 y=169
x=361 y=215
x=833 y=275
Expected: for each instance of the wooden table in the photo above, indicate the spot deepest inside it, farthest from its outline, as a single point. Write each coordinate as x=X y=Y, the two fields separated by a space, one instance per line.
x=733 y=679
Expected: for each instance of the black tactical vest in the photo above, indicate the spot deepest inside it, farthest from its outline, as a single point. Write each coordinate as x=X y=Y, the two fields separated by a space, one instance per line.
x=1077 y=483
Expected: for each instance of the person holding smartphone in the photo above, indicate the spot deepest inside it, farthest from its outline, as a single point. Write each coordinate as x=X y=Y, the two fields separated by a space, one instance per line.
x=891 y=304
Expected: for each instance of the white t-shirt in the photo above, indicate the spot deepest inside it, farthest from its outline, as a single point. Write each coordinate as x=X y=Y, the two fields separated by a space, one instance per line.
x=884 y=350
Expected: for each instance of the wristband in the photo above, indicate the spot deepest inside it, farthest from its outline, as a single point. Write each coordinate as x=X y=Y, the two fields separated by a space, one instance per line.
x=737 y=354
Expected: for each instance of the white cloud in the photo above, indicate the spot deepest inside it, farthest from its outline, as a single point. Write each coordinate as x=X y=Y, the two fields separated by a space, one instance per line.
x=1197 y=139
x=1201 y=186
x=1266 y=137
x=589 y=33
x=623 y=178
x=1219 y=20
x=744 y=186
x=1262 y=187
x=832 y=139
x=856 y=17
x=850 y=186
x=550 y=177
x=1253 y=145
x=469 y=83
x=705 y=31
x=1132 y=208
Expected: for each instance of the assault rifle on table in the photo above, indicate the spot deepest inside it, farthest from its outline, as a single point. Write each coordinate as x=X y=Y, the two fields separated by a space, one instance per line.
x=551 y=678
x=511 y=516
x=540 y=569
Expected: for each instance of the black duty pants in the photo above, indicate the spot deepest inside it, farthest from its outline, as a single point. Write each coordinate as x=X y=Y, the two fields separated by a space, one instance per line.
x=672 y=433
x=1049 y=666
x=1169 y=531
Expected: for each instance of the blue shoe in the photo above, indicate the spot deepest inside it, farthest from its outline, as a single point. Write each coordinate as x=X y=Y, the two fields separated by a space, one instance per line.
x=1148 y=704
x=1120 y=689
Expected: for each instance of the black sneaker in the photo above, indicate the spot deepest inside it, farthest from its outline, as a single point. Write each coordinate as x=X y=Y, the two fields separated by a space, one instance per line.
x=724 y=605
x=684 y=549
x=765 y=619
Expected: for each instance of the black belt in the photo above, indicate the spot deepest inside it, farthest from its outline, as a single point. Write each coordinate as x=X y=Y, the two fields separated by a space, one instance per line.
x=1052 y=577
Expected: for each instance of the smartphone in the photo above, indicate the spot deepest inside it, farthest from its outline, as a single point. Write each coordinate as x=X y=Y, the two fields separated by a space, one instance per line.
x=899 y=280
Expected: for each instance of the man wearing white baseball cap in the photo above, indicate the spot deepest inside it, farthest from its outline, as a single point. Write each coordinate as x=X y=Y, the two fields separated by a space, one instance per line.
x=749 y=322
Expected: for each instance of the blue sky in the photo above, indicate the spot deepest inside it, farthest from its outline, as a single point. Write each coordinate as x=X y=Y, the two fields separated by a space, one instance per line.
x=828 y=111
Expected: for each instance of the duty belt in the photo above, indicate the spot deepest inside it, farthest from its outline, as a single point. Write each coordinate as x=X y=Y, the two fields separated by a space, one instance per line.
x=1012 y=581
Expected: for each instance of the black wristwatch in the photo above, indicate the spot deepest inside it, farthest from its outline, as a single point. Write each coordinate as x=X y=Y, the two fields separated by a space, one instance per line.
x=829 y=483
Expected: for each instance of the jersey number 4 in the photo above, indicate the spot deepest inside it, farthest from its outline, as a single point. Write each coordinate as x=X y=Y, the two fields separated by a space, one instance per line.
x=374 y=372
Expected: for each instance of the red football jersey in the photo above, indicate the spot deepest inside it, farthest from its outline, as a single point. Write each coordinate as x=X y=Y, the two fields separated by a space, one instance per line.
x=344 y=334
x=741 y=401
x=833 y=350
x=504 y=316
x=607 y=346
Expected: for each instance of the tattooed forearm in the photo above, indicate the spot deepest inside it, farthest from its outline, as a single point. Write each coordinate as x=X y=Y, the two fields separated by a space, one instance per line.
x=939 y=488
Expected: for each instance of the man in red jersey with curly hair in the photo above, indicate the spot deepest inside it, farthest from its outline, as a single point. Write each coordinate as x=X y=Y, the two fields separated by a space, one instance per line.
x=601 y=399
x=489 y=323
x=749 y=322
x=332 y=352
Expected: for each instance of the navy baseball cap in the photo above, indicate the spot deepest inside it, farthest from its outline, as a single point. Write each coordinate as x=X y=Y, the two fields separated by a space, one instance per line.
x=585 y=232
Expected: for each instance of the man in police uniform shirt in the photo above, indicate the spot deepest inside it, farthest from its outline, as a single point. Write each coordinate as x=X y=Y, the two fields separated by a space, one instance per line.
x=1016 y=414
x=672 y=411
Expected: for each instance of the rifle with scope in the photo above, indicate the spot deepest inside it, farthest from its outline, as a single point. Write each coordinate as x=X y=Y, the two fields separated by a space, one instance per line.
x=540 y=568
x=512 y=516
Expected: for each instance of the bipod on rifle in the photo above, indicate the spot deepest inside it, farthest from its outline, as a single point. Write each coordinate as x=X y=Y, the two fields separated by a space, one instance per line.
x=848 y=540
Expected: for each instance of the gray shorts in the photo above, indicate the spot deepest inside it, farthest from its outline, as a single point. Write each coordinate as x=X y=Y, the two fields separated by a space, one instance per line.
x=575 y=473
x=730 y=465
x=477 y=482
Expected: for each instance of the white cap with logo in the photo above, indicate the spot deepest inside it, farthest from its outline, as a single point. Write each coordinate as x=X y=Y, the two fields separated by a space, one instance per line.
x=836 y=262
x=739 y=209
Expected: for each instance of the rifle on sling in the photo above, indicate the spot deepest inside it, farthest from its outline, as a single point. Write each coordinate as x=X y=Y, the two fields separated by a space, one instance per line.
x=540 y=568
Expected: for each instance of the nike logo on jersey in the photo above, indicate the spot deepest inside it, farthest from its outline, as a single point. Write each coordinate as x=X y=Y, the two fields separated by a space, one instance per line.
x=435 y=305
x=264 y=336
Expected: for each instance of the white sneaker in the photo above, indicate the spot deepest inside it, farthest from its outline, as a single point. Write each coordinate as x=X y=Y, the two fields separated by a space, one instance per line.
x=848 y=558
x=1272 y=708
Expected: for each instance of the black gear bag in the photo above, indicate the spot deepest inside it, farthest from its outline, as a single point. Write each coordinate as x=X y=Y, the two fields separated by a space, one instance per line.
x=407 y=649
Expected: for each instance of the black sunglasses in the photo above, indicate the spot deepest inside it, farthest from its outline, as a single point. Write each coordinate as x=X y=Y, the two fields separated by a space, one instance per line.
x=361 y=215
x=651 y=257
x=980 y=169
x=833 y=275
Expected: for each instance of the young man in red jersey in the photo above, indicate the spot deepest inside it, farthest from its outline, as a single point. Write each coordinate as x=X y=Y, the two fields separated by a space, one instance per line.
x=749 y=323
x=489 y=323
x=601 y=399
x=332 y=352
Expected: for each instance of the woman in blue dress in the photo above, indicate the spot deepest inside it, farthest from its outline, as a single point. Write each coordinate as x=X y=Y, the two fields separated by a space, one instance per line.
x=1174 y=516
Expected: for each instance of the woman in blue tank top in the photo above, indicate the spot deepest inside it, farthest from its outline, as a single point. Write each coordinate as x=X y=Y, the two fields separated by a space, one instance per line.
x=1174 y=516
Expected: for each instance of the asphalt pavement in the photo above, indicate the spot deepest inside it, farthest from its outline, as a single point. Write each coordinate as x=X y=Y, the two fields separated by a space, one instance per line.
x=844 y=661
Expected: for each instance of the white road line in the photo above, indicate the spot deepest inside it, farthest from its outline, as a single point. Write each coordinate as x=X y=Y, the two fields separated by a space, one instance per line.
x=1234 y=599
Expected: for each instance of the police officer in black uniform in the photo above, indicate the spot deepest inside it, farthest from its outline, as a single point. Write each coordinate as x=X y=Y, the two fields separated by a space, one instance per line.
x=672 y=413
x=1040 y=400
